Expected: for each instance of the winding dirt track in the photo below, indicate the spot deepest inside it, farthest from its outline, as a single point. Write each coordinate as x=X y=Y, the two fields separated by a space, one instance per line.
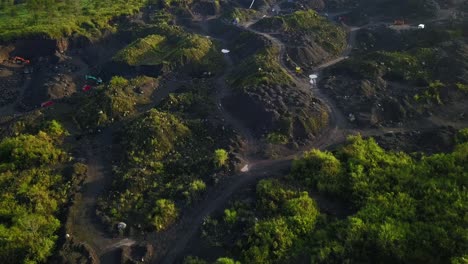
x=169 y=245
x=190 y=223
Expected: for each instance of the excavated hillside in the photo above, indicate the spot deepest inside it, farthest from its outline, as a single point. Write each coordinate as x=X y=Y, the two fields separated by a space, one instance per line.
x=310 y=39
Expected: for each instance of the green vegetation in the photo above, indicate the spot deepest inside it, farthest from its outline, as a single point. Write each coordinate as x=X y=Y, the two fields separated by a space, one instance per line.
x=164 y=163
x=462 y=136
x=33 y=192
x=108 y=103
x=195 y=260
x=57 y=19
x=220 y=158
x=261 y=69
x=416 y=66
x=242 y=14
x=269 y=229
x=172 y=47
x=407 y=209
x=419 y=67
x=462 y=87
x=327 y=35
x=401 y=201
x=165 y=213
x=277 y=138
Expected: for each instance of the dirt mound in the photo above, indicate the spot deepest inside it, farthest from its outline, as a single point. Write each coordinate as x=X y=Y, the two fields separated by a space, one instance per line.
x=204 y=8
x=136 y=253
x=372 y=102
x=306 y=52
x=431 y=141
x=280 y=109
x=11 y=80
x=309 y=38
x=34 y=48
x=114 y=68
x=303 y=4
x=5 y=52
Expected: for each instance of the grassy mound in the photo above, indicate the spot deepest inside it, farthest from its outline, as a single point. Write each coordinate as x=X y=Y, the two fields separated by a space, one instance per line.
x=241 y=14
x=261 y=69
x=156 y=49
x=57 y=19
x=115 y=101
x=172 y=48
x=325 y=34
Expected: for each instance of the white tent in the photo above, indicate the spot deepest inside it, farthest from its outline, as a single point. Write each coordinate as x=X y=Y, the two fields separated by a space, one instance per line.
x=421 y=26
x=225 y=51
x=121 y=225
x=313 y=76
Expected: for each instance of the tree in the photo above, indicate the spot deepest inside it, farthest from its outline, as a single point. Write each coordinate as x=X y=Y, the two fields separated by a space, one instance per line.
x=226 y=261
x=165 y=213
x=220 y=158
x=321 y=170
x=271 y=240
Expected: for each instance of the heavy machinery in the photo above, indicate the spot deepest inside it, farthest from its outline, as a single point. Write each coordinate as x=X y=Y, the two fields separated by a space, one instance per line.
x=96 y=79
x=47 y=104
x=86 y=88
x=21 y=60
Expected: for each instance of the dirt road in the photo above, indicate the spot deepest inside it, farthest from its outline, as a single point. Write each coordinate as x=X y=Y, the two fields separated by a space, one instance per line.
x=171 y=243
x=190 y=223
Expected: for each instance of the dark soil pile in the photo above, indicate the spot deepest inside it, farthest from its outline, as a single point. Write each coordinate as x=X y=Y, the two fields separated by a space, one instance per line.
x=431 y=141
x=264 y=96
x=389 y=82
x=11 y=79
x=286 y=110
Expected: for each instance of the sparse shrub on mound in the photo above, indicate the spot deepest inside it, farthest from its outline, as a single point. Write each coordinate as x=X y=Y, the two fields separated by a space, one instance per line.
x=164 y=162
x=242 y=14
x=261 y=69
x=153 y=136
x=115 y=101
x=307 y=24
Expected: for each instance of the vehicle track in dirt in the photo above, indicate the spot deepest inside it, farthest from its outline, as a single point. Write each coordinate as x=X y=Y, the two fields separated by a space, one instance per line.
x=191 y=221
x=172 y=242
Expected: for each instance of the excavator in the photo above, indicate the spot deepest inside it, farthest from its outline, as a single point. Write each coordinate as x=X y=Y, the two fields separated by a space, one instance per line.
x=21 y=60
x=86 y=88
x=96 y=79
x=47 y=104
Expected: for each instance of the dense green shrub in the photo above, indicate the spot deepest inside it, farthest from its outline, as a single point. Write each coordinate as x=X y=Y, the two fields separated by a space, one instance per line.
x=220 y=158
x=165 y=213
x=32 y=193
x=401 y=202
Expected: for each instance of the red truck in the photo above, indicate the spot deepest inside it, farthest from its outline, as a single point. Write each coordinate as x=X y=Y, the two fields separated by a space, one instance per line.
x=21 y=60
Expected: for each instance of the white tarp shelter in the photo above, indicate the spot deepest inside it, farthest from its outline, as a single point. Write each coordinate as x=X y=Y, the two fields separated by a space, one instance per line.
x=421 y=26
x=121 y=225
x=225 y=51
